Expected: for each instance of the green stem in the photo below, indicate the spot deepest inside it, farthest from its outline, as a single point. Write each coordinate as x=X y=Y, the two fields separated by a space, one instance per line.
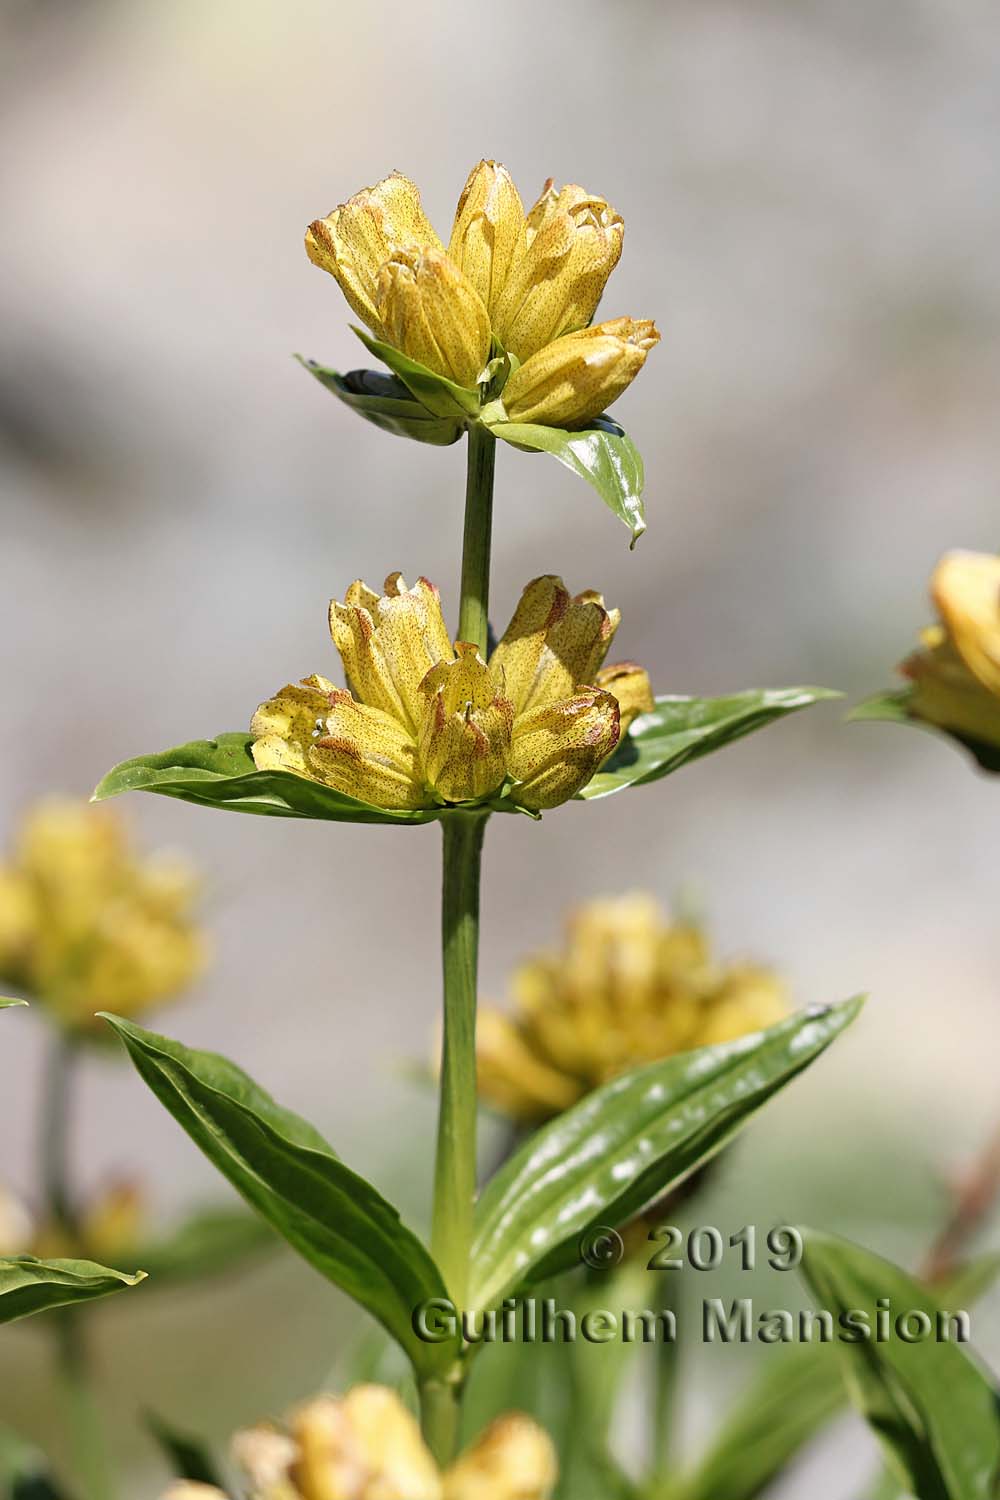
x=473 y=617
x=455 y=1171
x=88 y=1455
x=455 y=1166
x=665 y=1389
x=440 y=1408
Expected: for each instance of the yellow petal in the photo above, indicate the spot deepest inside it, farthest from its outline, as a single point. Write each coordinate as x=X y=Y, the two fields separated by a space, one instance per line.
x=553 y=643
x=489 y=230
x=519 y=652
x=362 y=1446
x=630 y=684
x=749 y=1000
x=285 y=727
x=466 y=733
x=512 y=1460
x=574 y=242
x=966 y=590
x=352 y=627
x=513 y=1078
x=576 y=377
x=356 y=239
x=411 y=639
x=389 y=642
x=267 y=1458
x=433 y=313
x=557 y=748
x=366 y=754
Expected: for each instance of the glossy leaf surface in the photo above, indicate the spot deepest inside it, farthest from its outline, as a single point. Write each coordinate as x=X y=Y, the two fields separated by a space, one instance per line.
x=441 y=396
x=930 y=1404
x=602 y=454
x=795 y=1394
x=893 y=708
x=626 y=1143
x=221 y=773
x=29 y=1286
x=680 y=730
x=386 y=402
x=283 y=1167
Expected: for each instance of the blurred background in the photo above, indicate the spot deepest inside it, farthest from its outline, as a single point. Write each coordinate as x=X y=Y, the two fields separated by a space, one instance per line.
x=810 y=195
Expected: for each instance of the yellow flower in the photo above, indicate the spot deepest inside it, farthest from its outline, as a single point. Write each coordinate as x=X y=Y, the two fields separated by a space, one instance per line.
x=425 y=723
x=514 y=280
x=628 y=987
x=87 y=925
x=573 y=243
x=367 y=1446
x=572 y=380
x=108 y=1225
x=430 y=311
x=956 y=674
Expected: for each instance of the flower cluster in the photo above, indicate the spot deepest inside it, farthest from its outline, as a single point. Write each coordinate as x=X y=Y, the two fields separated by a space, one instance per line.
x=109 y=1225
x=427 y=723
x=86 y=924
x=956 y=672
x=367 y=1446
x=524 y=284
x=628 y=987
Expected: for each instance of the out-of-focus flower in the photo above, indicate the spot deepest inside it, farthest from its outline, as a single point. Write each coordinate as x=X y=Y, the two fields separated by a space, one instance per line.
x=367 y=1446
x=425 y=723
x=573 y=379
x=511 y=281
x=86 y=924
x=109 y=1224
x=628 y=987
x=956 y=673
x=17 y=1227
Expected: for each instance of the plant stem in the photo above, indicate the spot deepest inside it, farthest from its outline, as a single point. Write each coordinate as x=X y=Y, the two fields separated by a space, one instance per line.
x=89 y=1458
x=665 y=1390
x=440 y=1407
x=455 y=1166
x=455 y=1172
x=473 y=616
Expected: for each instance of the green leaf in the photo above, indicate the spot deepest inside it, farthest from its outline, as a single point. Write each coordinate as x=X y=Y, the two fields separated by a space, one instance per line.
x=189 y=1458
x=796 y=1393
x=930 y=1405
x=29 y=1286
x=6 y=1003
x=680 y=730
x=602 y=454
x=441 y=396
x=208 y=1242
x=385 y=401
x=285 y=1170
x=893 y=708
x=221 y=773
x=626 y=1143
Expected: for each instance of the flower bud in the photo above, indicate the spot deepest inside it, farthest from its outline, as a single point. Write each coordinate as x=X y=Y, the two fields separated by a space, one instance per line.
x=355 y=240
x=434 y=314
x=489 y=231
x=466 y=733
x=557 y=748
x=572 y=380
x=631 y=686
x=956 y=675
x=513 y=1460
x=574 y=242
